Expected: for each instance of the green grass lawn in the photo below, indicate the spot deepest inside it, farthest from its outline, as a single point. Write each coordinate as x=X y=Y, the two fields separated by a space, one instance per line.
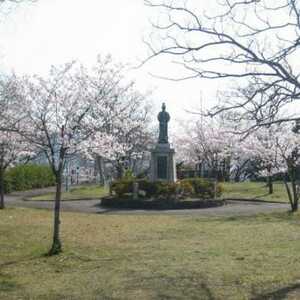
x=254 y=190
x=150 y=257
x=76 y=193
x=241 y=190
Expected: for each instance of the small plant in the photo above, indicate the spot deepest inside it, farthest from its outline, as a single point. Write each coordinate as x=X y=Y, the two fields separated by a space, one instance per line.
x=166 y=189
x=204 y=188
x=122 y=187
x=128 y=175
x=186 y=188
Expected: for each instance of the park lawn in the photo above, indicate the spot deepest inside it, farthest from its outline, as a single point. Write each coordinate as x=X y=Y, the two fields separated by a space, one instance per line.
x=240 y=190
x=150 y=257
x=254 y=190
x=76 y=193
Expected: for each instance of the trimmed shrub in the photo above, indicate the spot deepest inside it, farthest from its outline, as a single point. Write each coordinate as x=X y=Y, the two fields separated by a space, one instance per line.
x=152 y=189
x=122 y=186
x=26 y=177
x=166 y=189
x=186 y=188
x=200 y=187
x=204 y=188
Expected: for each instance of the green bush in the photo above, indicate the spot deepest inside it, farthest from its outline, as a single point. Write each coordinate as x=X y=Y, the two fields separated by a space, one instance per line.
x=166 y=189
x=128 y=175
x=186 y=188
x=203 y=188
x=200 y=187
x=122 y=186
x=26 y=177
x=152 y=189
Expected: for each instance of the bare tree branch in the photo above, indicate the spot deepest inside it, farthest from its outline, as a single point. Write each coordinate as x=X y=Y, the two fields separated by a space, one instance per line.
x=254 y=42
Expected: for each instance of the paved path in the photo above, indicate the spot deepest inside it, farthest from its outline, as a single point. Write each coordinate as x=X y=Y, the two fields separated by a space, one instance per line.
x=232 y=208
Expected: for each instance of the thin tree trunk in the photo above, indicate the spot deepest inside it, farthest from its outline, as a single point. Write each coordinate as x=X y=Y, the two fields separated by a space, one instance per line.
x=101 y=169
x=2 y=189
x=295 y=195
x=288 y=192
x=119 y=171
x=270 y=184
x=56 y=245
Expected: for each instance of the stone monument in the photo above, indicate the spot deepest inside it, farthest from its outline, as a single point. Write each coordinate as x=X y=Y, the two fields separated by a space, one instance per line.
x=163 y=166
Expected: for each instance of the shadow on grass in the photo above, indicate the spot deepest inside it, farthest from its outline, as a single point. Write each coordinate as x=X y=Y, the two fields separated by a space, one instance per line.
x=191 y=285
x=22 y=260
x=262 y=195
x=258 y=199
x=286 y=216
x=280 y=293
x=7 y=284
x=203 y=293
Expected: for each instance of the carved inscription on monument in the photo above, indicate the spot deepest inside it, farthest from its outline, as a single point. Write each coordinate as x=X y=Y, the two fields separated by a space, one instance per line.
x=162 y=166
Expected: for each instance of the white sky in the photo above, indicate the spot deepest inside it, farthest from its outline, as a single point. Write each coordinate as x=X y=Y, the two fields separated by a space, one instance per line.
x=35 y=36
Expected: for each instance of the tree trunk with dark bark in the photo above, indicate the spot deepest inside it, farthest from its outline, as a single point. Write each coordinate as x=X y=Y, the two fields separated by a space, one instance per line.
x=101 y=170
x=292 y=195
x=270 y=184
x=56 y=244
x=295 y=196
x=120 y=171
x=2 y=189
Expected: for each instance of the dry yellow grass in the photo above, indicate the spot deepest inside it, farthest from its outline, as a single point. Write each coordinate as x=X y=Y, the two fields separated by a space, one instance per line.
x=149 y=257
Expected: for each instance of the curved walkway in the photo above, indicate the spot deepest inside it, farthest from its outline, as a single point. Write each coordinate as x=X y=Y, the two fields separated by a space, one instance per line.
x=232 y=208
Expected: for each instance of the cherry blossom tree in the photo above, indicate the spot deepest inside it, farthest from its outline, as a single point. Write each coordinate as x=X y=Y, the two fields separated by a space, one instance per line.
x=9 y=102
x=262 y=147
x=62 y=111
x=277 y=149
x=288 y=143
x=13 y=150
x=206 y=142
x=127 y=137
x=12 y=147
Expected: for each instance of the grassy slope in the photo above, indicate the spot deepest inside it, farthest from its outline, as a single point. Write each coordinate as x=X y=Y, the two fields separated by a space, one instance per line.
x=83 y=192
x=255 y=190
x=149 y=257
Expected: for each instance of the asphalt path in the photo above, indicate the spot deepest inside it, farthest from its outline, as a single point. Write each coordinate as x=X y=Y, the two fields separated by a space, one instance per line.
x=231 y=208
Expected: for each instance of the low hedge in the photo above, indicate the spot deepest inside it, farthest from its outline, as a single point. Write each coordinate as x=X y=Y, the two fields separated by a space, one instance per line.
x=122 y=187
x=26 y=177
x=202 y=187
x=199 y=187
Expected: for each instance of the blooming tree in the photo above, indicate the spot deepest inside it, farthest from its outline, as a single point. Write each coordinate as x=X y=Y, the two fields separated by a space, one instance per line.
x=277 y=149
x=12 y=147
x=126 y=138
x=262 y=147
x=206 y=142
x=288 y=143
x=63 y=111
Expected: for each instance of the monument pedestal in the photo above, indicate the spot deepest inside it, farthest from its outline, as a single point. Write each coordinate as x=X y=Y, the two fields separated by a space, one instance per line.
x=163 y=166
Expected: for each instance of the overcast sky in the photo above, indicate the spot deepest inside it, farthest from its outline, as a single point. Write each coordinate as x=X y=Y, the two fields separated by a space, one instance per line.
x=35 y=36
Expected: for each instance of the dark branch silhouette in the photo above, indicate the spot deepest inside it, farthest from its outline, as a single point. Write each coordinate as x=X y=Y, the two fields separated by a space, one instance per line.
x=255 y=43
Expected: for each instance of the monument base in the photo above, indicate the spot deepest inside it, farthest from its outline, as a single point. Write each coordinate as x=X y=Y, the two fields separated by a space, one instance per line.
x=163 y=165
